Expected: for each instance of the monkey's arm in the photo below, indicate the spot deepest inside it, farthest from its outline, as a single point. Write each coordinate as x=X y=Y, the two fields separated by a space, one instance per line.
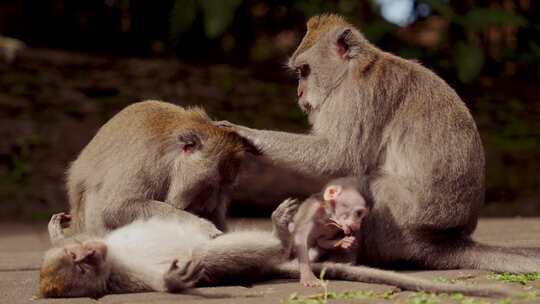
x=58 y=222
x=307 y=153
x=235 y=256
x=118 y=215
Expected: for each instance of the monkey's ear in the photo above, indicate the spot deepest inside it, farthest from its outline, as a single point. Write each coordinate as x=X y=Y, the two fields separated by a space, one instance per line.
x=331 y=192
x=347 y=44
x=189 y=142
x=249 y=147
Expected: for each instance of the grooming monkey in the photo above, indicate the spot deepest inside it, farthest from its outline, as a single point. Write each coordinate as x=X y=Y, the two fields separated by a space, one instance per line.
x=327 y=222
x=407 y=134
x=155 y=158
x=164 y=254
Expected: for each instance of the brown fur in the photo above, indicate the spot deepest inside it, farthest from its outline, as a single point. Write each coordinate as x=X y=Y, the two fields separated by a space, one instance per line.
x=316 y=26
x=135 y=167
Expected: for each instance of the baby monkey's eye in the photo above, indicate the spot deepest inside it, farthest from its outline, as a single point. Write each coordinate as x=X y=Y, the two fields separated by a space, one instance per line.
x=303 y=71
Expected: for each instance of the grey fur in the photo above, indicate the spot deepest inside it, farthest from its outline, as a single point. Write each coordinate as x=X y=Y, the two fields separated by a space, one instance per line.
x=135 y=168
x=408 y=135
x=230 y=258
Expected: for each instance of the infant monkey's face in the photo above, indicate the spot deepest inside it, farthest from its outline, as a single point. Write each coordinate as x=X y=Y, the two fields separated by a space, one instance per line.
x=349 y=208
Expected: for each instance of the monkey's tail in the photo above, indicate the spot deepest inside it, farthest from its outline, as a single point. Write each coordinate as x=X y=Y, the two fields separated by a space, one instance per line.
x=387 y=277
x=473 y=255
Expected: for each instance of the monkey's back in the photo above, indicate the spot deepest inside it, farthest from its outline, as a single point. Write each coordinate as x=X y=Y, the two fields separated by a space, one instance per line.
x=432 y=140
x=128 y=153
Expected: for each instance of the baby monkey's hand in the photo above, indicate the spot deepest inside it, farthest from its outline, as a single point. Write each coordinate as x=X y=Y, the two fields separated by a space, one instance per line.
x=346 y=243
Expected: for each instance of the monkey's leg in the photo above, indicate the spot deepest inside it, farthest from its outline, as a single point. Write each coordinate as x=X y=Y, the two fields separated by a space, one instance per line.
x=130 y=210
x=281 y=218
x=56 y=224
x=236 y=256
x=397 y=234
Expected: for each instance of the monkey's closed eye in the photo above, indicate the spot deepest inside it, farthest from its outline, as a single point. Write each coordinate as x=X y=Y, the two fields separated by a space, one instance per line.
x=303 y=71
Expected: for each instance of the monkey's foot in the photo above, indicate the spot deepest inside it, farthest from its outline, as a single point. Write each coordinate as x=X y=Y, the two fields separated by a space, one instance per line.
x=61 y=219
x=310 y=281
x=283 y=216
x=185 y=277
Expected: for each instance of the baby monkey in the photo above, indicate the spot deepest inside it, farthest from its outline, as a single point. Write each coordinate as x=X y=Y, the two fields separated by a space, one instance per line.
x=327 y=222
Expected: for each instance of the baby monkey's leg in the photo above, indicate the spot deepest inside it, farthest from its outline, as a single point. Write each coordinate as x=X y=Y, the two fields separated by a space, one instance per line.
x=236 y=256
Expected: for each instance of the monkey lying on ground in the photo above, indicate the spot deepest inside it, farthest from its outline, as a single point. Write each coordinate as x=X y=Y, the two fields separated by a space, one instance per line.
x=155 y=158
x=327 y=222
x=408 y=135
x=164 y=254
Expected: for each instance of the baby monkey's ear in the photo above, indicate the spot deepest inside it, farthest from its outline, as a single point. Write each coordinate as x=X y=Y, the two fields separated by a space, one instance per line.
x=331 y=192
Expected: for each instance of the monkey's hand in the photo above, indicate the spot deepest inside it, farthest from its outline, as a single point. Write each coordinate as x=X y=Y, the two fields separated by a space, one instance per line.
x=224 y=124
x=346 y=243
x=282 y=218
x=240 y=130
x=58 y=222
x=181 y=278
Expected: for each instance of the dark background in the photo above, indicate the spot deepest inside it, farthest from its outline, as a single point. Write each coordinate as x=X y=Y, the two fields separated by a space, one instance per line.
x=85 y=60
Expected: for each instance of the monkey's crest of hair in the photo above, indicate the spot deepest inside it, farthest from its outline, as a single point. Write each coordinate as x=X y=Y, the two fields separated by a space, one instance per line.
x=51 y=282
x=163 y=119
x=317 y=26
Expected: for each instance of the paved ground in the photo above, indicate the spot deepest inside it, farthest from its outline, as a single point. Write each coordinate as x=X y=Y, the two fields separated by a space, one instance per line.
x=21 y=247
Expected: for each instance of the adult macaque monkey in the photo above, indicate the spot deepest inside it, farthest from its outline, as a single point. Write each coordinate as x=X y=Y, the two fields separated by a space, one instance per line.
x=326 y=223
x=404 y=131
x=177 y=255
x=155 y=158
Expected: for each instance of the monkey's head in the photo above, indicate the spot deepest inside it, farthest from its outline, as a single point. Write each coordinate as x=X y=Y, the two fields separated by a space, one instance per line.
x=329 y=49
x=347 y=205
x=75 y=270
x=208 y=161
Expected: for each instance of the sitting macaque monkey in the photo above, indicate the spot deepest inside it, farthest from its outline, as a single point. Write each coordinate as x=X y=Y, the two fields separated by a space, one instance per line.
x=155 y=159
x=164 y=254
x=328 y=221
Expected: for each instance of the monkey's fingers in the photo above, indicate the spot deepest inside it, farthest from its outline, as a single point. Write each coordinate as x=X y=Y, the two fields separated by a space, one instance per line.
x=192 y=274
x=224 y=124
x=174 y=265
x=65 y=220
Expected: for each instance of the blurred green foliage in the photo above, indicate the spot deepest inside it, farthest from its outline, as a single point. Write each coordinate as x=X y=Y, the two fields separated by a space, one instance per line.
x=488 y=50
x=466 y=39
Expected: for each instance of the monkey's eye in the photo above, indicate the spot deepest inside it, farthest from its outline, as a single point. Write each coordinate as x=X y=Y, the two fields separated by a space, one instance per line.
x=302 y=72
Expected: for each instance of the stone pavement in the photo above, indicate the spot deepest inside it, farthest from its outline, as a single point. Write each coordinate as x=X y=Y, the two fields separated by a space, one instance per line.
x=21 y=247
